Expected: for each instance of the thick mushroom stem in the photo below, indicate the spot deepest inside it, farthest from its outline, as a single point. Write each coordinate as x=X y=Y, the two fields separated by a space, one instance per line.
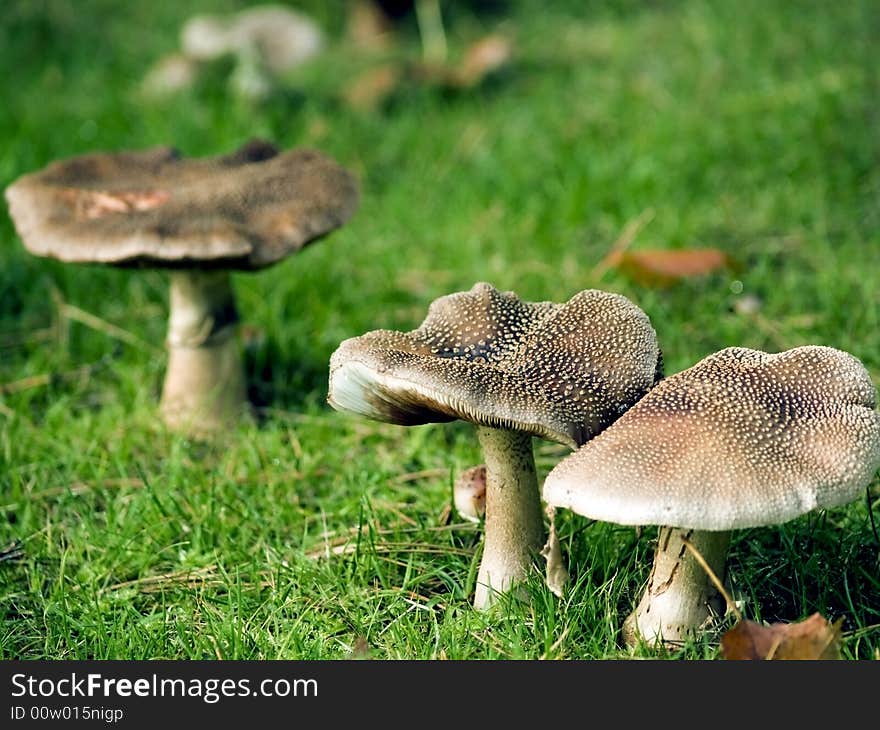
x=680 y=598
x=204 y=386
x=514 y=526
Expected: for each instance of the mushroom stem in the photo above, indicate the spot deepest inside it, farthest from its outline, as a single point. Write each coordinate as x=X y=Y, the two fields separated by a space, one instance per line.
x=204 y=386
x=514 y=526
x=680 y=598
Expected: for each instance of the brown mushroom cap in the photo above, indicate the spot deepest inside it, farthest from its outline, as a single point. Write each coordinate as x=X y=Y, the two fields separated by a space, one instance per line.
x=244 y=210
x=559 y=371
x=741 y=439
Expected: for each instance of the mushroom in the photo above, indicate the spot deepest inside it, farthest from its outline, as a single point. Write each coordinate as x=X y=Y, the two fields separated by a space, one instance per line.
x=741 y=439
x=270 y=39
x=199 y=219
x=469 y=493
x=282 y=36
x=515 y=370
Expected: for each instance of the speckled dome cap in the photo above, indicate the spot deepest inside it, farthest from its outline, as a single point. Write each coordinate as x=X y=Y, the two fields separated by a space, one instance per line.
x=559 y=371
x=243 y=210
x=741 y=439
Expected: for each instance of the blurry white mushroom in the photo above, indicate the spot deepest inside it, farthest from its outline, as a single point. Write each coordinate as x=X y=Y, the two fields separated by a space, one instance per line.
x=515 y=370
x=281 y=36
x=741 y=439
x=171 y=73
x=199 y=219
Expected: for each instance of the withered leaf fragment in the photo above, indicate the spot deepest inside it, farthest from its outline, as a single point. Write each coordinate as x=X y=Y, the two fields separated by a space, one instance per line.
x=813 y=638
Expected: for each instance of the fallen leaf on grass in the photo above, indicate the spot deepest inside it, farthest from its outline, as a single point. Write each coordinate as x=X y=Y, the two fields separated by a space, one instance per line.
x=370 y=89
x=361 y=649
x=486 y=56
x=481 y=59
x=661 y=268
x=813 y=638
x=368 y=26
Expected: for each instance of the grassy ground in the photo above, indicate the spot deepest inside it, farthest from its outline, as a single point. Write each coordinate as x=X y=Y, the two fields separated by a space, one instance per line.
x=750 y=127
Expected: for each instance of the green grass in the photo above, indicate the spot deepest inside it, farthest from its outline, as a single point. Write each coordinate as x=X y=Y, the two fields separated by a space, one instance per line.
x=747 y=126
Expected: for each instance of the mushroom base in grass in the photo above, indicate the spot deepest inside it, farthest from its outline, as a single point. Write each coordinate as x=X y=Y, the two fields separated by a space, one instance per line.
x=204 y=387
x=680 y=600
x=513 y=532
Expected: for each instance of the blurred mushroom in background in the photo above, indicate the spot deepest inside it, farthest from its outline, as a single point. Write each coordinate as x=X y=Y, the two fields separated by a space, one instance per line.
x=199 y=219
x=265 y=41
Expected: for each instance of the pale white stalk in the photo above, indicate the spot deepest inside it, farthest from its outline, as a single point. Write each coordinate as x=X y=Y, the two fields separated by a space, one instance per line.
x=680 y=599
x=204 y=387
x=514 y=527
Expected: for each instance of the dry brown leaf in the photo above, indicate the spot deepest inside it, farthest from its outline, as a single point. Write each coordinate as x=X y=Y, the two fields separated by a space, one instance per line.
x=371 y=88
x=361 y=649
x=659 y=267
x=556 y=573
x=482 y=58
x=813 y=638
x=368 y=26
